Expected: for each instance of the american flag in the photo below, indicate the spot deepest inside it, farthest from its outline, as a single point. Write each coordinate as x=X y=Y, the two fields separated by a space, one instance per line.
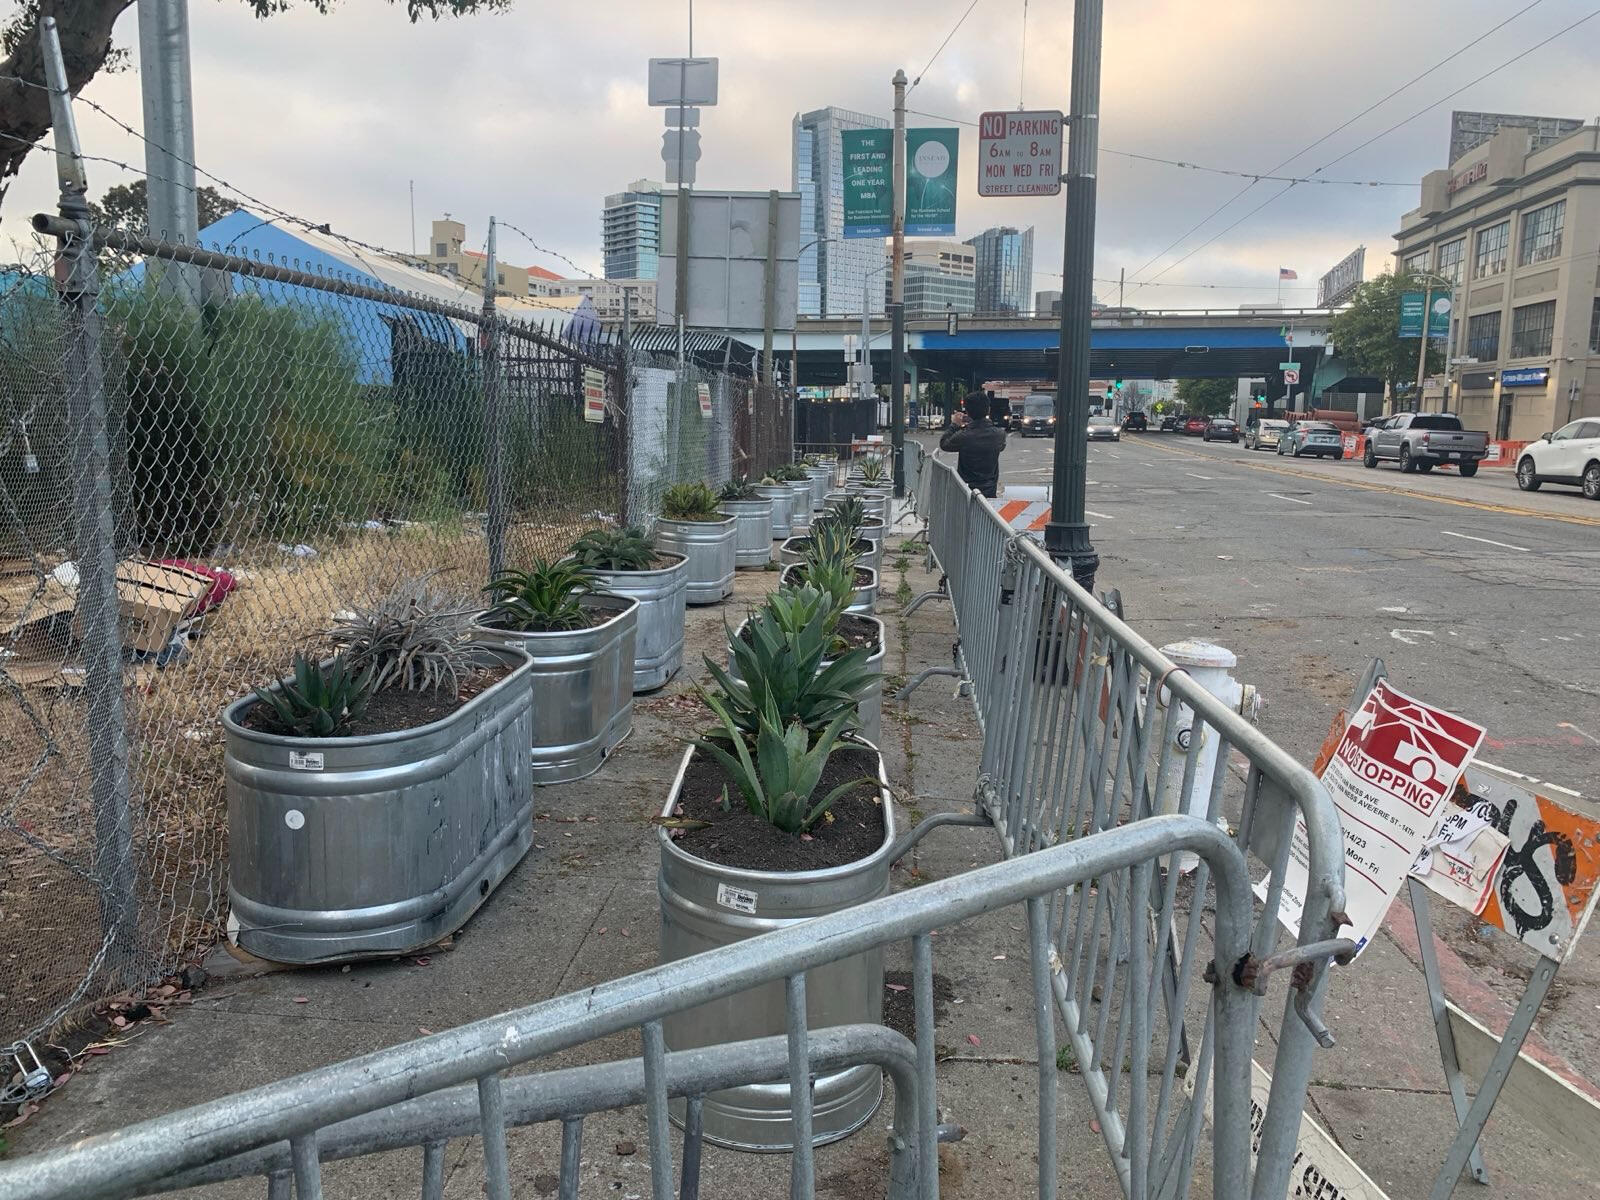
x=1285 y=273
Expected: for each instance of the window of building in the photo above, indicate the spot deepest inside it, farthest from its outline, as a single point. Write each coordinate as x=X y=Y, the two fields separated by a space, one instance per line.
x=1594 y=328
x=1448 y=262
x=440 y=249
x=1483 y=336
x=1491 y=257
x=500 y=278
x=1541 y=233
x=1412 y=264
x=1533 y=329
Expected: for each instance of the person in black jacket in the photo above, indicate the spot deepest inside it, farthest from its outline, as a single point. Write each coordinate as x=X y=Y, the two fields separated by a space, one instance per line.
x=977 y=443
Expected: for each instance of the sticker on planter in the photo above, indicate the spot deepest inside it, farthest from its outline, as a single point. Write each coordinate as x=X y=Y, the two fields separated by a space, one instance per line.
x=294 y=818
x=736 y=898
x=305 y=760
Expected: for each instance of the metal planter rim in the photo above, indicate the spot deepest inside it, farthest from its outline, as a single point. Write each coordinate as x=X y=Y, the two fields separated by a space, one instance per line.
x=533 y=640
x=784 y=577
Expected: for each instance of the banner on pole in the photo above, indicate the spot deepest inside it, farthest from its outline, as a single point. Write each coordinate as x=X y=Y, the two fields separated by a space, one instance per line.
x=868 y=185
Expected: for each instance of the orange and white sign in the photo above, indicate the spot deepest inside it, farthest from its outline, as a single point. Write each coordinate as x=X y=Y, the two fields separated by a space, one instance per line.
x=704 y=392
x=594 y=395
x=1391 y=776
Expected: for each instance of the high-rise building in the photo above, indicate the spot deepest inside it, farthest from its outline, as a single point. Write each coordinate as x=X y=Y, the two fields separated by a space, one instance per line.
x=630 y=228
x=1004 y=269
x=833 y=271
x=1469 y=130
x=939 y=254
x=1047 y=304
x=931 y=293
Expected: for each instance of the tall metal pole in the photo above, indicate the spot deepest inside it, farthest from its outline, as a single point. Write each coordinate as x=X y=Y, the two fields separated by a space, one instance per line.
x=897 y=292
x=1422 y=342
x=494 y=468
x=168 y=120
x=94 y=530
x=1067 y=534
x=769 y=282
x=865 y=382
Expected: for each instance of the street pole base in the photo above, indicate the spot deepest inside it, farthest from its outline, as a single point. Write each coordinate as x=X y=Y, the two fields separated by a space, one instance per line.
x=1068 y=543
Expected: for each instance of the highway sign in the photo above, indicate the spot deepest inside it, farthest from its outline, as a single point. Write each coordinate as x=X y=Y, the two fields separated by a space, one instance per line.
x=1019 y=153
x=1291 y=377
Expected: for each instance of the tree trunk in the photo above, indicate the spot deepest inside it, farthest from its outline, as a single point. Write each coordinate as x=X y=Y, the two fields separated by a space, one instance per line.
x=84 y=27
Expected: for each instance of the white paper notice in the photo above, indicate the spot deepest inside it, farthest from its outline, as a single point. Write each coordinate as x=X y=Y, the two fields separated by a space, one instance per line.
x=1391 y=777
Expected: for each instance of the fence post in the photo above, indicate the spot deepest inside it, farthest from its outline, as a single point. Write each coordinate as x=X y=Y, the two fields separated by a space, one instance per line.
x=493 y=426
x=94 y=528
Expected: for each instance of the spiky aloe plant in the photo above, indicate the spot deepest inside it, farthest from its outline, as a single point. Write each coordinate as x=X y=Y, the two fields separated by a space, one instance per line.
x=851 y=512
x=780 y=779
x=318 y=702
x=738 y=489
x=415 y=637
x=872 y=471
x=835 y=580
x=613 y=550
x=544 y=598
x=831 y=541
x=690 y=502
x=789 y=473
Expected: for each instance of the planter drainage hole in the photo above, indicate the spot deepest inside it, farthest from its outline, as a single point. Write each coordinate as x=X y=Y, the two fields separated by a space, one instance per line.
x=483 y=887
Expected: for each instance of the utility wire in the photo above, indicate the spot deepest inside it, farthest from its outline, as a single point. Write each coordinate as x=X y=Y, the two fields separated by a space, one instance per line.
x=953 y=31
x=1420 y=112
x=1022 y=73
x=1197 y=226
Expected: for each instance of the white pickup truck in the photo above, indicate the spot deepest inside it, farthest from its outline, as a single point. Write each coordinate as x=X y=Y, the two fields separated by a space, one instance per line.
x=1422 y=441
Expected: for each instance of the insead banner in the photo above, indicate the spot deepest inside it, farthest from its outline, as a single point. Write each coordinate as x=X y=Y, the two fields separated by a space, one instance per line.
x=1391 y=776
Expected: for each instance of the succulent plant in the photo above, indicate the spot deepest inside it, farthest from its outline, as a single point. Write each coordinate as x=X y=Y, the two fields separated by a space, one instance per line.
x=835 y=580
x=319 y=702
x=872 y=471
x=690 y=502
x=613 y=550
x=832 y=542
x=851 y=512
x=738 y=489
x=543 y=598
x=415 y=637
x=789 y=473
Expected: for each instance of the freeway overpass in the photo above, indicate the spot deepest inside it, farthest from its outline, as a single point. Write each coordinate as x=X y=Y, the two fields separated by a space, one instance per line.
x=1171 y=344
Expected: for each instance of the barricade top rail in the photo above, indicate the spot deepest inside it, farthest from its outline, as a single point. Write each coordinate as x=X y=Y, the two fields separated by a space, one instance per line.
x=120 y=1163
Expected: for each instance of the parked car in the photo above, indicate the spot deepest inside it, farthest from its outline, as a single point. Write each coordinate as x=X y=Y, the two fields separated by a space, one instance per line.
x=1195 y=426
x=1221 y=429
x=1421 y=441
x=1264 y=435
x=1321 y=438
x=1570 y=455
x=1104 y=429
x=1038 y=417
x=1135 y=422
x=1170 y=424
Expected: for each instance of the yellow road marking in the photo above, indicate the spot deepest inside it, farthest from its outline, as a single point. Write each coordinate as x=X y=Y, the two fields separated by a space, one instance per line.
x=1482 y=506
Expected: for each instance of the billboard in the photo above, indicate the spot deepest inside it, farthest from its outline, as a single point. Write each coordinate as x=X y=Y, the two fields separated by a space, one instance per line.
x=1339 y=284
x=727 y=256
x=931 y=158
x=1439 y=308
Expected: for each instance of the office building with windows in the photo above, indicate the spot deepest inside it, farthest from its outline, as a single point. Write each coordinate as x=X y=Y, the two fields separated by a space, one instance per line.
x=1004 y=270
x=932 y=293
x=630 y=231
x=833 y=272
x=1513 y=228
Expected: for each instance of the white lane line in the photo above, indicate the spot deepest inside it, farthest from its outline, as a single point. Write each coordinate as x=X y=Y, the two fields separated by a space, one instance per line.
x=1290 y=499
x=1486 y=541
x=1110 y=455
x=1192 y=475
x=1102 y=516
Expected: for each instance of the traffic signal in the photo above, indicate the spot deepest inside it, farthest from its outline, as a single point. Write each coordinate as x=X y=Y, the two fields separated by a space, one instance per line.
x=1116 y=385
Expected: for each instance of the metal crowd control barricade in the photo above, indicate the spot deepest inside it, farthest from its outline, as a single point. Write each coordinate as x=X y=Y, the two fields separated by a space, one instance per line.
x=1088 y=728
x=454 y=1084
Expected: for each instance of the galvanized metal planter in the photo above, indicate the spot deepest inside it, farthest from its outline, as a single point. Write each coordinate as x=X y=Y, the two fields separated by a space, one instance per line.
x=713 y=553
x=753 y=531
x=376 y=845
x=793 y=550
x=821 y=485
x=863 y=601
x=705 y=905
x=800 y=505
x=870 y=710
x=658 y=625
x=877 y=505
x=782 y=507
x=582 y=685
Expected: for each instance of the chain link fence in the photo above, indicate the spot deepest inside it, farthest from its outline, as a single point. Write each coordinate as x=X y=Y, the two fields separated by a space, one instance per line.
x=204 y=460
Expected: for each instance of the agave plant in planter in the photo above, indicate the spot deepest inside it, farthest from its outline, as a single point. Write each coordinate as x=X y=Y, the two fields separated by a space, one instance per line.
x=777 y=814
x=338 y=776
x=691 y=525
x=581 y=643
x=622 y=562
x=872 y=472
x=753 y=514
x=798 y=481
x=833 y=538
x=854 y=587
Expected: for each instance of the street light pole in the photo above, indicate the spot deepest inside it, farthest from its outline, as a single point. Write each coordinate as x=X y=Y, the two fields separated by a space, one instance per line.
x=1066 y=537
x=897 y=297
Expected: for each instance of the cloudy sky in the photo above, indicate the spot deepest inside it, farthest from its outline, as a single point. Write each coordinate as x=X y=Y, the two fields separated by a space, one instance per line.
x=536 y=114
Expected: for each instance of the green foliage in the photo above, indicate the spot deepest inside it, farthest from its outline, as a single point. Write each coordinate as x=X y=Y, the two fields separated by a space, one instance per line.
x=779 y=658
x=871 y=471
x=835 y=580
x=851 y=513
x=1208 y=397
x=738 y=489
x=126 y=205
x=614 y=550
x=1366 y=336
x=789 y=473
x=543 y=598
x=780 y=779
x=831 y=543
x=318 y=702
x=415 y=637
x=690 y=502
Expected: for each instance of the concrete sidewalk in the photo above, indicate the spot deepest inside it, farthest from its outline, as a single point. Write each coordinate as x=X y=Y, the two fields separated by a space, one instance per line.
x=582 y=908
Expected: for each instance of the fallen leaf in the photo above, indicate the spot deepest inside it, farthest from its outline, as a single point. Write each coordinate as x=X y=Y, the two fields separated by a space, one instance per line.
x=624 y=933
x=601 y=932
x=424 y=1032
x=97 y=1050
x=895 y=987
x=302 y=999
x=1094 y=1126
x=423 y=961
x=974 y=1039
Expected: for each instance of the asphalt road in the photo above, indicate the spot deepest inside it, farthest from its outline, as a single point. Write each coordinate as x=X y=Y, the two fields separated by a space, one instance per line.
x=1479 y=597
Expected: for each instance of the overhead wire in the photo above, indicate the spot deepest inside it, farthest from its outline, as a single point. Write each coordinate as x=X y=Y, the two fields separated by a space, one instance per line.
x=953 y=31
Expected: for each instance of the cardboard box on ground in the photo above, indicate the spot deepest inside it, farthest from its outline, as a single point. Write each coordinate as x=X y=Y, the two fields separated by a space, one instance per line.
x=153 y=600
